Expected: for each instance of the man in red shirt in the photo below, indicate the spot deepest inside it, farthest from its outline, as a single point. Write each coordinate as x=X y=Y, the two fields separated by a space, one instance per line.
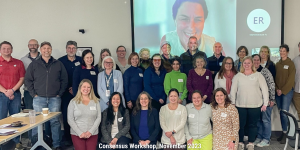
x=12 y=74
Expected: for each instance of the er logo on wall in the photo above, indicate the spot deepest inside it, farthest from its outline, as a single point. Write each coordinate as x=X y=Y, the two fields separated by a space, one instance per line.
x=258 y=20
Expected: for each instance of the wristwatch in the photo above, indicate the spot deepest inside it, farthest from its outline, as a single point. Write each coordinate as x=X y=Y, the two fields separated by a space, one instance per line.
x=173 y=132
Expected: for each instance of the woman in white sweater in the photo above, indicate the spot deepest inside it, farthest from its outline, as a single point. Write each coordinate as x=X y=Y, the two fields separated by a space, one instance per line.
x=172 y=118
x=224 y=77
x=249 y=93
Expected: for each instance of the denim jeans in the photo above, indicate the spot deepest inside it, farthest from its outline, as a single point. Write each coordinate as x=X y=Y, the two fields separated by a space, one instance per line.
x=11 y=106
x=283 y=103
x=54 y=104
x=264 y=125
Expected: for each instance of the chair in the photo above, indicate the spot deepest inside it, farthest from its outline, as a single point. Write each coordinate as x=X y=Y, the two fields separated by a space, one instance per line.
x=292 y=130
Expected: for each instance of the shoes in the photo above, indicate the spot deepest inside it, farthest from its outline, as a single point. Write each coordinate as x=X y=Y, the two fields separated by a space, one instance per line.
x=263 y=143
x=19 y=146
x=283 y=140
x=241 y=146
x=250 y=147
x=257 y=140
x=280 y=138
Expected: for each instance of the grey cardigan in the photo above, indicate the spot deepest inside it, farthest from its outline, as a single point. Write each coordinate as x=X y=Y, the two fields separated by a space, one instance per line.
x=123 y=127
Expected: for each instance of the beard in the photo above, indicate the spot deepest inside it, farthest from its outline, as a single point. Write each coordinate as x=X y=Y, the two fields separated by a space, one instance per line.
x=34 y=50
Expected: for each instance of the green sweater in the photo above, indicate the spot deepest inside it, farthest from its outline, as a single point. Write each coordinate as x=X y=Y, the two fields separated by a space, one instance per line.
x=285 y=75
x=176 y=79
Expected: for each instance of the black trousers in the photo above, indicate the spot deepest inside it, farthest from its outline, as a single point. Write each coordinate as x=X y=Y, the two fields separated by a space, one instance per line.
x=65 y=100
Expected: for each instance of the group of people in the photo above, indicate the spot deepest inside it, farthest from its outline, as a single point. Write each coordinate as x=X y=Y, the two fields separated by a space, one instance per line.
x=187 y=101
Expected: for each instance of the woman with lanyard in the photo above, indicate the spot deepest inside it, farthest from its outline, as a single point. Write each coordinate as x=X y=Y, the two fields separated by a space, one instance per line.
x=109 y=81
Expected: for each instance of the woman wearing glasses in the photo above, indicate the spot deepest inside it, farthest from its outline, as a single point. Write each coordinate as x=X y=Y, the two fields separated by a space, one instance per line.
x=225 y=75
x=109 y=81
x=154 y=78
x=104 y=52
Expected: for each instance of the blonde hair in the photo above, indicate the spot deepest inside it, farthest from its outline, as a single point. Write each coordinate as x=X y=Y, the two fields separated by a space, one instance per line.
x=242 y=69
x=106 y=57
x=268 y=49
x=78 y=98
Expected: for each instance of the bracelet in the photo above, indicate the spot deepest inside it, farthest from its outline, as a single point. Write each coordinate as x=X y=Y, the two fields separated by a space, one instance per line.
x=13 y=90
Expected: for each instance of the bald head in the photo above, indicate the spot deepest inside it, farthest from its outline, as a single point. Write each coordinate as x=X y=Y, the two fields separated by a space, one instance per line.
x=218 y=48
x=33 y=45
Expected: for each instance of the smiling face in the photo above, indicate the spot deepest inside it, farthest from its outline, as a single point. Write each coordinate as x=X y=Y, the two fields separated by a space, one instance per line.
x=242 y=53
x=193 y=44
x=218 y=48
x=200 y=63
x=104 y=54
x=108 y=63
x=228 y=64
x=173 y=97
x=145 y=55
x=264 y=53
x=121 y=52
x=134 y=61
x=197 y=99
x=166 y=49
x=220 y=98
x=189 y=22
x=6 y=50
x=116 y=100
x=175 y=65
x=88 y=59
x=71 y=50
x=33 y=46
x=144 y=100
x=156 y=61
x=85 y=89
x=46 y=51
x=256 y=61
x=283 y=53
x=247 y=64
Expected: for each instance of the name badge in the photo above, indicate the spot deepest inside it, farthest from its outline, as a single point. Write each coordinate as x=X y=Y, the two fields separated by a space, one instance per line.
x=15 y=65
x=207 y=77
x=115 y=80
x=77 y=63
x=107 y=93
x=140 y=74
x=191 y=115
x=286 y=66
x=93 y=72
x=180 y=80
x=92 y=108
x=120 y=119
x=223 y=115
x=177 y=112
x=220 y=63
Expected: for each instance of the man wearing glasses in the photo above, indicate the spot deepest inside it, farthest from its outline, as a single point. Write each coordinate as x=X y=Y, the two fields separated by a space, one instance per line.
x=121 y=62
x=70 y=61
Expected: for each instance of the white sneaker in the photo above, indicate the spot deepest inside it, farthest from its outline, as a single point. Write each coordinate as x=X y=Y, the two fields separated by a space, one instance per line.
x=257 y=140
x=250 y=147
x=263 y=143
x=241 y=146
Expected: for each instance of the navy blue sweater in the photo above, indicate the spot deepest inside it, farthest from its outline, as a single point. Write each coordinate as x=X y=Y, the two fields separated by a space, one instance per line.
x=187 y=60
x=154 y=84
x=133 y=83
x=271 y=66
x=214 y=64
x=70 y=67
x=153 y=125
x=81 y=73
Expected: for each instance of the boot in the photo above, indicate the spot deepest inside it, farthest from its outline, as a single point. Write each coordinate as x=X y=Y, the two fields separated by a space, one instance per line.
x=280 y=137
x=283 y=140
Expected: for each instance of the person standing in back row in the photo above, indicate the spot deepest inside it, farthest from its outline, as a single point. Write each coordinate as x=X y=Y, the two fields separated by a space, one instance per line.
x=121 y=63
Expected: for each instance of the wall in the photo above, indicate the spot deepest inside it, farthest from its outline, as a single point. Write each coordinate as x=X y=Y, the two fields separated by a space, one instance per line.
x=107 y=24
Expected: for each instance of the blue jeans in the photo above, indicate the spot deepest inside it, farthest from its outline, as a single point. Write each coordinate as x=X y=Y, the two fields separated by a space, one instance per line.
x=11 y=106
x=283 y=103
x=264 y=125
x=54 y=104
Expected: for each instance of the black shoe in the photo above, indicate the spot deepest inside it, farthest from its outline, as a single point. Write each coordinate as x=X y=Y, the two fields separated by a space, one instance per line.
x=283 y=140
x=281 y=136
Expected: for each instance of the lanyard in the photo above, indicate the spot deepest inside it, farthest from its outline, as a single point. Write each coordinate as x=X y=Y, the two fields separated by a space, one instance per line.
x=107 y=80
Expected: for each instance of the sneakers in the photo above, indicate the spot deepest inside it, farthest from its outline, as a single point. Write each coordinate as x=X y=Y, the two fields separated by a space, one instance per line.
x=257 y=140
x=241 y=146
x=19 y=146
x=250 y=147
x=263 y=143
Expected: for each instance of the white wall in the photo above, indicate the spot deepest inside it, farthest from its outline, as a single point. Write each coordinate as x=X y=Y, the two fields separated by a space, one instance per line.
x=107 y=24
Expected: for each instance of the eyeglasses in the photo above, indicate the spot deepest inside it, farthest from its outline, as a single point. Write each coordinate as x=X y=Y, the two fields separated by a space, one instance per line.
x=31 y=45
x=144 y=99
x=69 y=48
x=157 y=60
x=108 y=62
x=242 y=51
x=228 y=63
x=121 y=51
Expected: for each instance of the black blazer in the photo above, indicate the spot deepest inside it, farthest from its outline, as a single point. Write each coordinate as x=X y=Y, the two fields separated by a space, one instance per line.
x=153 y=125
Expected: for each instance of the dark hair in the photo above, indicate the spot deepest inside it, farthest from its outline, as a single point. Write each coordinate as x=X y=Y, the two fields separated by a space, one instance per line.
x=131 y=55
x=178 y=3
x=46 y=43
x=222 y=70
x=176 y=58
x=83 y=55
x=71 y=43
x=298 y=44
x=161 y=67
x=138 y=106
x=173 y=89
x=110 y=109
x=196 y=91
x=119 y=47
x=256 y=55
x=240 y=48
x=285 y=46
x=214 y=103
x=5 y=42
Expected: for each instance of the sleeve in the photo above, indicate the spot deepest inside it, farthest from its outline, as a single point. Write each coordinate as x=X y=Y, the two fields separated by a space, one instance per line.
x=185 y=91
x=76 y=80
x=233 y=90
x=147 y=84
x=235 y=123
x=21 y=70
x=189 y=82
x=71 y=118
x=63 y=79
x=264 y=88
x=120 y=82
x=162 y=120
x=105 y=134
x=154 y=134
x=272 y=70
x=271 y=85
x=291 y=79
x=126 y=78
x=97 y=121
x=210 y=84
x=101 y=92
x=182 y=121
x=118 y=68
x=216 y=82
x=186 y=131
x=164 y=96
x=29 y=78
x=167 y=83
x=126 y=128
x=133 y=129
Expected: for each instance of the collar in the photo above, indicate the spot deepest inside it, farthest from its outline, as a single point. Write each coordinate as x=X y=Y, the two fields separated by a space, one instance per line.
x=84 y=67
x=259 y=68
x=50 y=60
x=197 y=50
x=35 y=57
x=2 y=59
x=176 y=71
x=216 y=57
x=203 y=105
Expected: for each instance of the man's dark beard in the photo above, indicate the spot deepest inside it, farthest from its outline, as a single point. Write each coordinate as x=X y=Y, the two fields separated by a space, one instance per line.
x=33 y=50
